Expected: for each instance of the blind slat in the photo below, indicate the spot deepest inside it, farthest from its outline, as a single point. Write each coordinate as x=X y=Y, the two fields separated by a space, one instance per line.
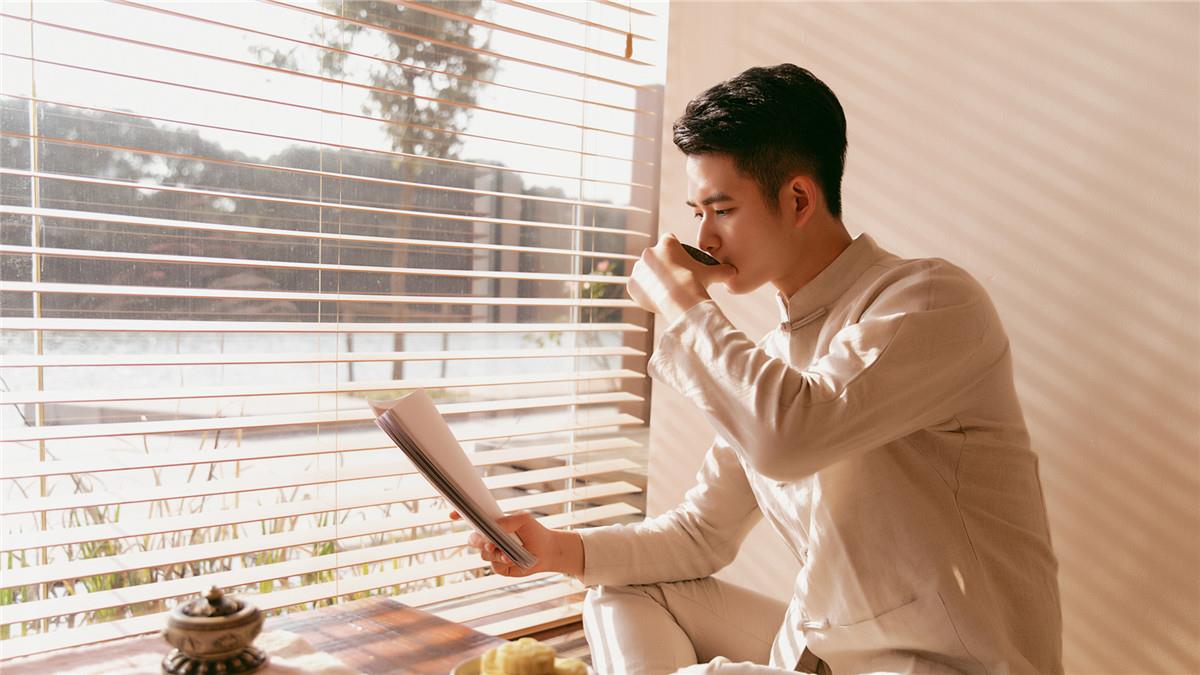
x=86 y=634
x=462 y=589
x=149 y=326
x=395 y=155
x=278 y=480
x=517 y=143
x=234 y=516
x=455 y=16
x=517 y=626
x=378 y=59
x=235 y=294
x=88 y=602
x=276 y=70
x=67 y=431
x=626 y=6
x=464 y=48
x=101 y=461
x=266 y=358
x=133 y=256
x=86 y=567
x=351 y=177
x=97 y=216
x=574 y=19
x=305 y=387
x=512 y=601
x=361 y=208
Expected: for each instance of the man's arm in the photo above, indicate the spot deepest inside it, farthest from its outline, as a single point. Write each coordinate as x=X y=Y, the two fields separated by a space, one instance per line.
x=693 y=540
x=911 y=361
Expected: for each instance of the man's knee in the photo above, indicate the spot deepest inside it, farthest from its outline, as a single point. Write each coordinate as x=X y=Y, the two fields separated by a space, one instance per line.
x=599 y=598
x=630 y=630
x=604 y=603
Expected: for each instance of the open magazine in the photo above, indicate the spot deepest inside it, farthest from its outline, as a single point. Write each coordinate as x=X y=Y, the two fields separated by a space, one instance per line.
x=418 y=429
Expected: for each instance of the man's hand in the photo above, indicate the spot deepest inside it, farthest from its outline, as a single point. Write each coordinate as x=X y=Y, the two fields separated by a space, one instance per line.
x=556 y=550
x=666 y=280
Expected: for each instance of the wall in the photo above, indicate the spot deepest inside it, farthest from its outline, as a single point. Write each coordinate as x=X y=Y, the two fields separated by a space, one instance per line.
x=1052 y=150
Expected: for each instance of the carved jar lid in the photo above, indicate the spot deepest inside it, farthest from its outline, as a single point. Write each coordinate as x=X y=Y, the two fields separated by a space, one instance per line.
x=214 y=603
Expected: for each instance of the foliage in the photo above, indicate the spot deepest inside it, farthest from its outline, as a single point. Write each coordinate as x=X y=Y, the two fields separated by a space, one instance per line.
x=417 y=64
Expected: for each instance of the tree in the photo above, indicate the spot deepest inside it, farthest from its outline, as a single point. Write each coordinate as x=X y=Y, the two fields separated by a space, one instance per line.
x=419 y=69
x=416 y=92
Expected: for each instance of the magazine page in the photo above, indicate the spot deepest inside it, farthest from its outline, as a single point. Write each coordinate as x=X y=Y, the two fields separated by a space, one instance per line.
x=421 y=420
x=417 y=428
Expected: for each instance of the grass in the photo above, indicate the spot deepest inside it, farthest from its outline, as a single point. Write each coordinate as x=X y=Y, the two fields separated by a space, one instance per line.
x=83 y=517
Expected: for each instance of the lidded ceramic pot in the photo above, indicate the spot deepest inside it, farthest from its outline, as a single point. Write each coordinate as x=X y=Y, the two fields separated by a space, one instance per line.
x=212 y=635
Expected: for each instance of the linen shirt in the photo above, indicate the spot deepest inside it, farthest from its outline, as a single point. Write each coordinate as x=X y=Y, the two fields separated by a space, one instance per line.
x=878 y=431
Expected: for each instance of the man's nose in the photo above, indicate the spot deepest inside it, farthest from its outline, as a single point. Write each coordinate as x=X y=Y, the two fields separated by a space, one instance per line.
x=707 y=239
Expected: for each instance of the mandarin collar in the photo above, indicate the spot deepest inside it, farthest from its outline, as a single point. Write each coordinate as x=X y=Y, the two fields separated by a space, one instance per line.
x=813 y=299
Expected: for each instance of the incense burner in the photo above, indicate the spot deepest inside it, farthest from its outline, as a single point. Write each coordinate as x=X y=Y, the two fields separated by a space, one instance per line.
x=213 y=634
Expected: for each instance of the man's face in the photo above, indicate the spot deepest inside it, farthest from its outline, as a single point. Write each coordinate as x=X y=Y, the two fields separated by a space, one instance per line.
x=736 y=225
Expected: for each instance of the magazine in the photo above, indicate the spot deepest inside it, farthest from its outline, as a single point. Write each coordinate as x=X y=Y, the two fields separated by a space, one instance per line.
x=418 y=429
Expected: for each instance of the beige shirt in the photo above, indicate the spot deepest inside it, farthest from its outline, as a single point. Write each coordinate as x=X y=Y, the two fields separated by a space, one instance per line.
x=878 y=431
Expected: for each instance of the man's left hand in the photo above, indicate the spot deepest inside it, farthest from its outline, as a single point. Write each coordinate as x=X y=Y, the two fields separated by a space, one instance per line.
x=666 y=280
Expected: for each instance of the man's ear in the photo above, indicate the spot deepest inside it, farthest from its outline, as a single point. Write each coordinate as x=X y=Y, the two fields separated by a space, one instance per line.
x=802 y=200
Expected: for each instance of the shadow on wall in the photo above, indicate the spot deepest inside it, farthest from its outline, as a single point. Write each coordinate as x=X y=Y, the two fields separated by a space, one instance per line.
x=1053 y=151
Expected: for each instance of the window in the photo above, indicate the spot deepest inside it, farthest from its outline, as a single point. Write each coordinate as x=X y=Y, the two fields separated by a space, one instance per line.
x=225 y=226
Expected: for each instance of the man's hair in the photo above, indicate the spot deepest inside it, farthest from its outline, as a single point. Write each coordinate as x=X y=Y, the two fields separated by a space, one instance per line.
x=775 y=123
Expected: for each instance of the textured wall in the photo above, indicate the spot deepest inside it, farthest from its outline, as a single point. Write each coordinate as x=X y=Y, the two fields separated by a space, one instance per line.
x=1052 y=150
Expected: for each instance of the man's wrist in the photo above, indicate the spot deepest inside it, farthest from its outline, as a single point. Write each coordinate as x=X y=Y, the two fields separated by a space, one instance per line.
x=680 y=305
x=569 y=546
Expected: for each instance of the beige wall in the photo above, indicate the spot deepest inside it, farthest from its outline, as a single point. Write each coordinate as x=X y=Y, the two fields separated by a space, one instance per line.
x=1052 y=150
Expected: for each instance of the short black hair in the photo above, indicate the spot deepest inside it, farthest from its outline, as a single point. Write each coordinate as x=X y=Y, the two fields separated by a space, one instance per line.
x=775 y=122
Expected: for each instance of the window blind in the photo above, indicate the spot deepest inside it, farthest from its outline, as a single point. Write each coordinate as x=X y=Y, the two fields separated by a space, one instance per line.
x=224 y=227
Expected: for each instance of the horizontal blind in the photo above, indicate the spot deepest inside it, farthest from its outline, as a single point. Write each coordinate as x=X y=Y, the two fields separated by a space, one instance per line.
x=225 y=227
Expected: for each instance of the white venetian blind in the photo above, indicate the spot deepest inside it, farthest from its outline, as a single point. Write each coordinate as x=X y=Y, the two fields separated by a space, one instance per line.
x=225 y=226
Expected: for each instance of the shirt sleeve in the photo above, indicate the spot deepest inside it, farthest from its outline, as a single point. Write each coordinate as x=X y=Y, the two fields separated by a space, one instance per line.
x=695 y=539
x=907 y=360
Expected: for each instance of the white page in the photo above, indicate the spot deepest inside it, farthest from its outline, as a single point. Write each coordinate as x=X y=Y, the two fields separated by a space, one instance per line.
x=427 y=427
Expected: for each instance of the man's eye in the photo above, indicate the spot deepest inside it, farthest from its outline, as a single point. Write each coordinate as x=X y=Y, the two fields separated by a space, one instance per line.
x=722 y=212
x=697 y=215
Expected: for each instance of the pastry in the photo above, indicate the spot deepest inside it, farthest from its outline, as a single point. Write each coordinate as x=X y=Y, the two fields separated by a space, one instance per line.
x=527 y=656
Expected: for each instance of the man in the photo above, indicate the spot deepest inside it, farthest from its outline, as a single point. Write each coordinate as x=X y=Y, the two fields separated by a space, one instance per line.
x=877 y=430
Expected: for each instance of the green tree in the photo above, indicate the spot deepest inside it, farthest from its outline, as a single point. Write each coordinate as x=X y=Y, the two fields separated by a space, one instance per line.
x=423 y=92
x=421 y=67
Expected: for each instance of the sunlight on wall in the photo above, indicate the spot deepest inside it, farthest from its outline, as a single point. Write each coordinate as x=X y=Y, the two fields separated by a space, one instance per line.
x=1052 y=151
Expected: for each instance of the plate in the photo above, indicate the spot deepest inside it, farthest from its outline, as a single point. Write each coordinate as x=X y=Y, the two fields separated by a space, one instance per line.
x=468 y=667
x=471 y=667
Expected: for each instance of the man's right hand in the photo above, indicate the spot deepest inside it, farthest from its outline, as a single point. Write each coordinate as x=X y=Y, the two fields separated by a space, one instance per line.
x=556 y=550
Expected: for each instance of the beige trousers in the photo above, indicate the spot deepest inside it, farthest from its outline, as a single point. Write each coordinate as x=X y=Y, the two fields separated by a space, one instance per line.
x=697 y=626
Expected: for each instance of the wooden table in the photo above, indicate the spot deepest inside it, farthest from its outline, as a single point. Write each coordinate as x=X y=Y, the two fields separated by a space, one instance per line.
x=380 y=635
x=375 y=635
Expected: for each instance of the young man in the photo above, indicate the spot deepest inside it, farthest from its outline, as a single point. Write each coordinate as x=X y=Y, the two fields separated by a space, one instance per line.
x=877 y=429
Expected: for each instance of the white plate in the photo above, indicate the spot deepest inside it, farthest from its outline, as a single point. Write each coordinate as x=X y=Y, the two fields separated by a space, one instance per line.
x=468 y=667
x=471 y=667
